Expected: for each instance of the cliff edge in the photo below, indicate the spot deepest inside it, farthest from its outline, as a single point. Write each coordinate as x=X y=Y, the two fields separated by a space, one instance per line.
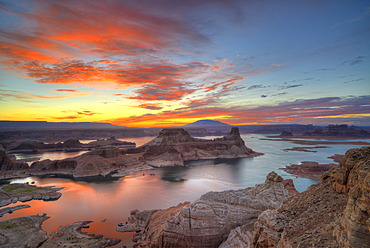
x=332 y=213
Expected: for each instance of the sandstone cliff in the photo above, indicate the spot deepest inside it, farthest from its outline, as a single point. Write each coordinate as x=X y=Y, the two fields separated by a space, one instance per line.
x=208 y=221
x=332 y=213
x=172 y=147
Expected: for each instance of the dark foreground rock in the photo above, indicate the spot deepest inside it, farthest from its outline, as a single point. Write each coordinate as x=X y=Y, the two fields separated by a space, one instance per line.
x=332 y=213
x=22 y=232
x=27 y=232
x=208 y=221
x=172 y=147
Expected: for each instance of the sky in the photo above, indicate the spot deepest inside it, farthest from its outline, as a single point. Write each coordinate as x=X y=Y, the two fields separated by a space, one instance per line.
x=171 y=62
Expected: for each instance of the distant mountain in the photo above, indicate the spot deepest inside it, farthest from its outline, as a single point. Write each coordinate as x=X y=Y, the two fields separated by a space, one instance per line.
x=207 y=123
x=23 y=125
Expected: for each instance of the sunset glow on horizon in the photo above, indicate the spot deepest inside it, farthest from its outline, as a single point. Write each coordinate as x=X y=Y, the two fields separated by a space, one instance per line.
x=168 y=62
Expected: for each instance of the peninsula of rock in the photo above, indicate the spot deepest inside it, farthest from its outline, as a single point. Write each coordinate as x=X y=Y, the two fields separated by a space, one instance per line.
x=172 y=147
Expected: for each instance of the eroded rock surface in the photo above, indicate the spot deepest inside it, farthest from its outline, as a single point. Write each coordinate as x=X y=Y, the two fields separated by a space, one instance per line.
x=208 y=221
x=22 y=232
x=332 y=213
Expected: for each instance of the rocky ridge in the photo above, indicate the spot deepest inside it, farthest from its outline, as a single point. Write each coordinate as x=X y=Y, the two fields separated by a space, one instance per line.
x=172 y=147
x=208 y=221
x=332 y=213
x=70 y=144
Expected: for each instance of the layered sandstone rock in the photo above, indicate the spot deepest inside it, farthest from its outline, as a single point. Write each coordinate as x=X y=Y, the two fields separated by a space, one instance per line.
x=332 y=213
x=172 y=147
x=208 y=221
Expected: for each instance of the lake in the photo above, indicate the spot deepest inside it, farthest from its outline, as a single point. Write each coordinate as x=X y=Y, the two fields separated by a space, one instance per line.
x=112 y=201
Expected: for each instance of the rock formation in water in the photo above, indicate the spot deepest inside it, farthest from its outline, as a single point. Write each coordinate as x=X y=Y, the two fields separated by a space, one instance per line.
x=286 y=133
x=332 y=213
x=309 y=169
x=338 y=130
x=70 y=144
x=171 y=148
x=27 y=232
x=12 y=193
x=208 y=221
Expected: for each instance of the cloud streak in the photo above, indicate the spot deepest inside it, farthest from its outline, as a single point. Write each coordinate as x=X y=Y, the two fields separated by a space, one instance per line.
x=286 y=112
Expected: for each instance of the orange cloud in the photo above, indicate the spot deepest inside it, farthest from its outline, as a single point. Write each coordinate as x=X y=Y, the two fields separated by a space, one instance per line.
x=23 y=95
x=66 y=90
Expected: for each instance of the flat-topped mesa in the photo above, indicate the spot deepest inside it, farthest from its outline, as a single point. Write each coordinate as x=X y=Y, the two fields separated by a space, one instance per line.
x=171 y=136
x=174 y=146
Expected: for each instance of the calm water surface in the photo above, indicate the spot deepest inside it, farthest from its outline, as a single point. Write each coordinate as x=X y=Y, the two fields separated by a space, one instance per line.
x=113 y=200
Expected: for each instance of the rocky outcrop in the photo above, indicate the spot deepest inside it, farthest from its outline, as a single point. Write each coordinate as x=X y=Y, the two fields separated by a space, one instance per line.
x=285 y=133
x=27 y=232
x=6 y=163
x=112 y=141
x=332 y=213
x=353 y=178
x=208 y=221
x=12 y=193
x=172 y=147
